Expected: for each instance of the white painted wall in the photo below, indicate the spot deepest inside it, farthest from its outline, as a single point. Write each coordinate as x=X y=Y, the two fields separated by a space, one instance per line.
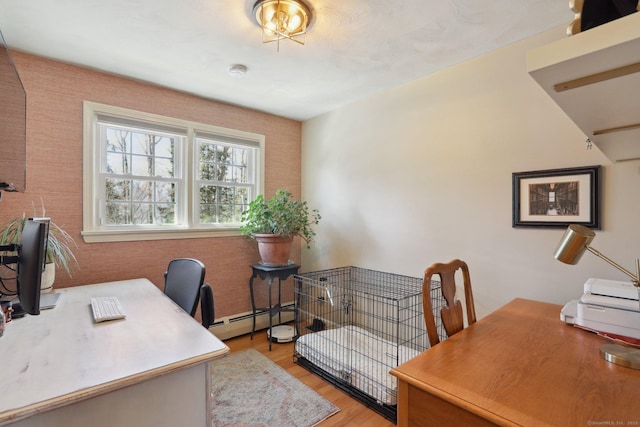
x=422 y=174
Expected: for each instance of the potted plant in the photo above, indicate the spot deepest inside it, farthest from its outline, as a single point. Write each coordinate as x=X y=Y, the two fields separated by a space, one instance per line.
x=274 y=224
x=59 y=253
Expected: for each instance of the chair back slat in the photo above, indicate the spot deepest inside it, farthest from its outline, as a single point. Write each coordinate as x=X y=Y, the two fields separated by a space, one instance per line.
x=451 y=313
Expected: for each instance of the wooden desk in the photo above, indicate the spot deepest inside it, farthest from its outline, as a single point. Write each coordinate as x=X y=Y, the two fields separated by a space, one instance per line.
x=519 y=366
x=150 y=369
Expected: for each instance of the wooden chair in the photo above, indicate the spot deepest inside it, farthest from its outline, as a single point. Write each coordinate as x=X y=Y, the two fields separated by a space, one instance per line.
x=451 y=312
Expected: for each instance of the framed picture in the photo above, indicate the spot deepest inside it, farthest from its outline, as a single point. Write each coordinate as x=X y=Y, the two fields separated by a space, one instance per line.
x=557 y=198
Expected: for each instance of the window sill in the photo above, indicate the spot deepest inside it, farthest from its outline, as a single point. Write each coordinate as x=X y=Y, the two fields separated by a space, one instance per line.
x=155 y=234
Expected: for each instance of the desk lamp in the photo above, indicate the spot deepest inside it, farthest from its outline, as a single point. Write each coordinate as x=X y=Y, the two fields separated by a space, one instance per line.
x=570 y=249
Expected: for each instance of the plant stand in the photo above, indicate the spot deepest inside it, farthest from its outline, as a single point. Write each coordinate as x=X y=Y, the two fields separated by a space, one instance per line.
x=270 y=273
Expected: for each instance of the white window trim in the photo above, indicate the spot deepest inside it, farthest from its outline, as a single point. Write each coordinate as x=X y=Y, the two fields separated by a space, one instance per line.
x=91 y=232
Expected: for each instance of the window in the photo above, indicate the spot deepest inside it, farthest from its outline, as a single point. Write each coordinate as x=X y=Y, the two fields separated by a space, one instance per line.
x=140 y=175
x=224 y=180
x=153 y=177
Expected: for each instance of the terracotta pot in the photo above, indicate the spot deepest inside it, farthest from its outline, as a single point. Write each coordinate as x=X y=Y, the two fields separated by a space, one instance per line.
x=274 y=250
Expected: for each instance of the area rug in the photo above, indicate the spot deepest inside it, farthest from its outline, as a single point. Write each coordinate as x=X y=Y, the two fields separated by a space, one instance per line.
x=248 y=389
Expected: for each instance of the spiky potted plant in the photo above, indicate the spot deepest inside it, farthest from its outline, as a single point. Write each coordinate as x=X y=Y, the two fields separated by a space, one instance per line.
x=59 y=248
x=275 y=222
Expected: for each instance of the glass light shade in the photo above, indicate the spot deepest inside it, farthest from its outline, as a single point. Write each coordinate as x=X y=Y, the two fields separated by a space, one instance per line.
x=573 y=244
x=282 y=19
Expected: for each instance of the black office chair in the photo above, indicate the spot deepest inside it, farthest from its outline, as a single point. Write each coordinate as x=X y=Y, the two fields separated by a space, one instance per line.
x=182 y=283
x=207 y=309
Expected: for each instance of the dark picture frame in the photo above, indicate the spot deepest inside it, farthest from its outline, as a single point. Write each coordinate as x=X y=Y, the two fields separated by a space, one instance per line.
x=556 y=198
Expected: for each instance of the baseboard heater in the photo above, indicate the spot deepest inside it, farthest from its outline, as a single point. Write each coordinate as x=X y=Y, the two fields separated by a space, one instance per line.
x=240 y=324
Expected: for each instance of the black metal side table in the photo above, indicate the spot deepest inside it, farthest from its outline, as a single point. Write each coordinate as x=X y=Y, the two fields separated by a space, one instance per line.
x=270 y=272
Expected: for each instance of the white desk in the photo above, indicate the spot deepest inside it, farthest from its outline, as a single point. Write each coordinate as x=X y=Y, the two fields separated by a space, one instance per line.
x=150 y=369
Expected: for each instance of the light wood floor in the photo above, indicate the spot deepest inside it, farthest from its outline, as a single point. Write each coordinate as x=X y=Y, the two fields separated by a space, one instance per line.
x=352 y=412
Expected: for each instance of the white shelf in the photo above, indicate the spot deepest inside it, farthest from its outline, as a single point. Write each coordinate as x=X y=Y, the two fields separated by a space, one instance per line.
x=612 y=102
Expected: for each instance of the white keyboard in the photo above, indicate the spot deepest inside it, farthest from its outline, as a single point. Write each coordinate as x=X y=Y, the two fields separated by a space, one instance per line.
x=106 y=308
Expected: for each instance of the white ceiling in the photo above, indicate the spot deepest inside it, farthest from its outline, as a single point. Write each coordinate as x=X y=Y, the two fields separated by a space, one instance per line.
x=354 y=49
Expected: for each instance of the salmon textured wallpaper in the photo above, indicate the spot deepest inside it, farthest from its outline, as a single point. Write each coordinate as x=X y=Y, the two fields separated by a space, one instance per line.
x=55 y=95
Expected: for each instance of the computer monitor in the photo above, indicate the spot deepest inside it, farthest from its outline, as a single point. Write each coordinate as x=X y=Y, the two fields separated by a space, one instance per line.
x=31 y=258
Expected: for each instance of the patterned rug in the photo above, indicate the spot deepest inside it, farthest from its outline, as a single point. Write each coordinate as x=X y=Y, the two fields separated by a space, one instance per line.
x=248 y=389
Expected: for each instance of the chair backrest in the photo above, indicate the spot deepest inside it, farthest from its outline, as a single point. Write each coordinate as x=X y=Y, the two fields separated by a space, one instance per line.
x=451 y=312
x=182 y=282
x=207 y=309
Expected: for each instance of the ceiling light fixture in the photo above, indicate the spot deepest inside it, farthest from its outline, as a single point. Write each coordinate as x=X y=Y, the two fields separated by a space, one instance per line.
x=282 y=19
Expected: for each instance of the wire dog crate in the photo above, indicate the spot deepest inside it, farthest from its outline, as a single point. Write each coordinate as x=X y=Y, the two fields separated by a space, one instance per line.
x=354 y=325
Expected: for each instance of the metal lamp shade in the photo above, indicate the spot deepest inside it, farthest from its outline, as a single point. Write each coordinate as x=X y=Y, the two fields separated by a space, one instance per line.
x=573 y=244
